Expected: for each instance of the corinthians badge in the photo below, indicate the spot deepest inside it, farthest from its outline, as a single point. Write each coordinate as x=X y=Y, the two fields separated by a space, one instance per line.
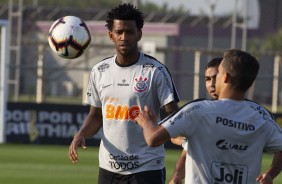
x=140 y=85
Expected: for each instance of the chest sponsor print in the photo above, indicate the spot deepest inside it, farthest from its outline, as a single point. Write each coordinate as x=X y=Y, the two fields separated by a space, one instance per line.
x=225 y=144
x=121 y=112
x=223 y=173
x=124 y=162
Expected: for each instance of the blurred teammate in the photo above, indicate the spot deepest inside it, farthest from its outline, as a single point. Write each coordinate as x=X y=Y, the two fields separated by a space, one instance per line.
x=118 y=89
x=210 y=78
x=227 y=136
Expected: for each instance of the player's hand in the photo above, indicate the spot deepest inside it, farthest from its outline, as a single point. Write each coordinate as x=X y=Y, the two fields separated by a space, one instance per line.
x=77 y=141
x=175 y=180
x=145 y=116
x=265 y=179
x=177 y=140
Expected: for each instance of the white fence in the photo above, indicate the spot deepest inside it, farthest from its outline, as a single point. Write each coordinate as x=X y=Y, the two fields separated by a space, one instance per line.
x=3 y=76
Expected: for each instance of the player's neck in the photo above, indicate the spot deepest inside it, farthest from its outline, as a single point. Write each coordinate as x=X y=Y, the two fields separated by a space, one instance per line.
x=231 y=94
x=128 y=59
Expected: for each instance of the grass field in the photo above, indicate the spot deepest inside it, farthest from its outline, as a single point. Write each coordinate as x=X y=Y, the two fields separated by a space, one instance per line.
x=38 y=164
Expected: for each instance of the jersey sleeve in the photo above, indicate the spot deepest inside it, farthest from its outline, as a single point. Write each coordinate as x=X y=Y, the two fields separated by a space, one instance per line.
x=183 y=122
x=92 y=96
x=274 y=142
x=166 y=89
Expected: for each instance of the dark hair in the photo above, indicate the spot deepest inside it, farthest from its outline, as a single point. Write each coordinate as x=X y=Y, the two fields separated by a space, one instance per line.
x=242 y=67
x=125 y=11
x=215 y=62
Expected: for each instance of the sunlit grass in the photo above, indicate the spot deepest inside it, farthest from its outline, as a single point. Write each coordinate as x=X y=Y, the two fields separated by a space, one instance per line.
x=33 y=164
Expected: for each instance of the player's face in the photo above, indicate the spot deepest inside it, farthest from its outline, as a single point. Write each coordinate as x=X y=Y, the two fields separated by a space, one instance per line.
x=219 y=79
x=125 y=36
x=210 y=78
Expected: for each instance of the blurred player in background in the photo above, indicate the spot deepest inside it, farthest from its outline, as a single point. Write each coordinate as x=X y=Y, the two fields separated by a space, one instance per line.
x=119 y=87
x=226 y=137
x=211 y=71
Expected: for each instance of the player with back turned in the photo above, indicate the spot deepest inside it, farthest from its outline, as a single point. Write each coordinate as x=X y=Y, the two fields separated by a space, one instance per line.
x=210 y=81
x=226 y=137
x=119 y=87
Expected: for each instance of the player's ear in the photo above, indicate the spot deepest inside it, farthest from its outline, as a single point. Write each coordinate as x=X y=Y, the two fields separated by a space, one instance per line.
x=110 y=35
x=139 y=35
x=227 y=78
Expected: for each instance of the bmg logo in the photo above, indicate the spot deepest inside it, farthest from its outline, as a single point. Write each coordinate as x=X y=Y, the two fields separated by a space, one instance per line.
x=229 y=173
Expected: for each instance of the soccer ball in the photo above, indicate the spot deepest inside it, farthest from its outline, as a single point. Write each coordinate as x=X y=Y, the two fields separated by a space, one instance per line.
x=69 y=37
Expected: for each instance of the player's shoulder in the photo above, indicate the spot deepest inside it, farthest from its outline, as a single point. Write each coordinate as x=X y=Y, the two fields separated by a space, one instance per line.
x=150 y=61
x=103 y=65
x=196 y=101
x=259 y=108
x=200 y=103
x=186 y=108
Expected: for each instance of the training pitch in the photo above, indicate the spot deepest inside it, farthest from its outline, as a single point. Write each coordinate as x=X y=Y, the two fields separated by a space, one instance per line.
x=33 y=164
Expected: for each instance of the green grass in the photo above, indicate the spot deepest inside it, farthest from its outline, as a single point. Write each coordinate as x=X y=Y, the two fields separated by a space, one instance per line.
x=38 y=164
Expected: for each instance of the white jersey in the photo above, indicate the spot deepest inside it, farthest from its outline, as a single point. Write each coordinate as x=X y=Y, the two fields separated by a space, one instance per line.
x=252 y=103
x=226 y=140
x=122 y=92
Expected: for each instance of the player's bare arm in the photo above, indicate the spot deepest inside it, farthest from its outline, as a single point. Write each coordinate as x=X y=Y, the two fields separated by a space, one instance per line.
x=90 y=127
x=273 y=171
x=171 y=107
x=179 y=171
x=154 y=134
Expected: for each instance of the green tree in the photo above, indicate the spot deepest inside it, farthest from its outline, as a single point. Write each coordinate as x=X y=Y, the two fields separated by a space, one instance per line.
x=273 y=43
x=270 y=45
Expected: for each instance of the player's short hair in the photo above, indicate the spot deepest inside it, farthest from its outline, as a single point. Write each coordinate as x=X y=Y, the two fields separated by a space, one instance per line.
x=242 y=67
x=215 y=62
x=125 y=11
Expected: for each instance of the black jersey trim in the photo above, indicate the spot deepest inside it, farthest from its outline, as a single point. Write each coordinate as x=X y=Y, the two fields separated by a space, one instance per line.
x=175 y=94
x=271 y=115
x=106 y=58
x=172 y=114
x=103 y=60
x=202 y=99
